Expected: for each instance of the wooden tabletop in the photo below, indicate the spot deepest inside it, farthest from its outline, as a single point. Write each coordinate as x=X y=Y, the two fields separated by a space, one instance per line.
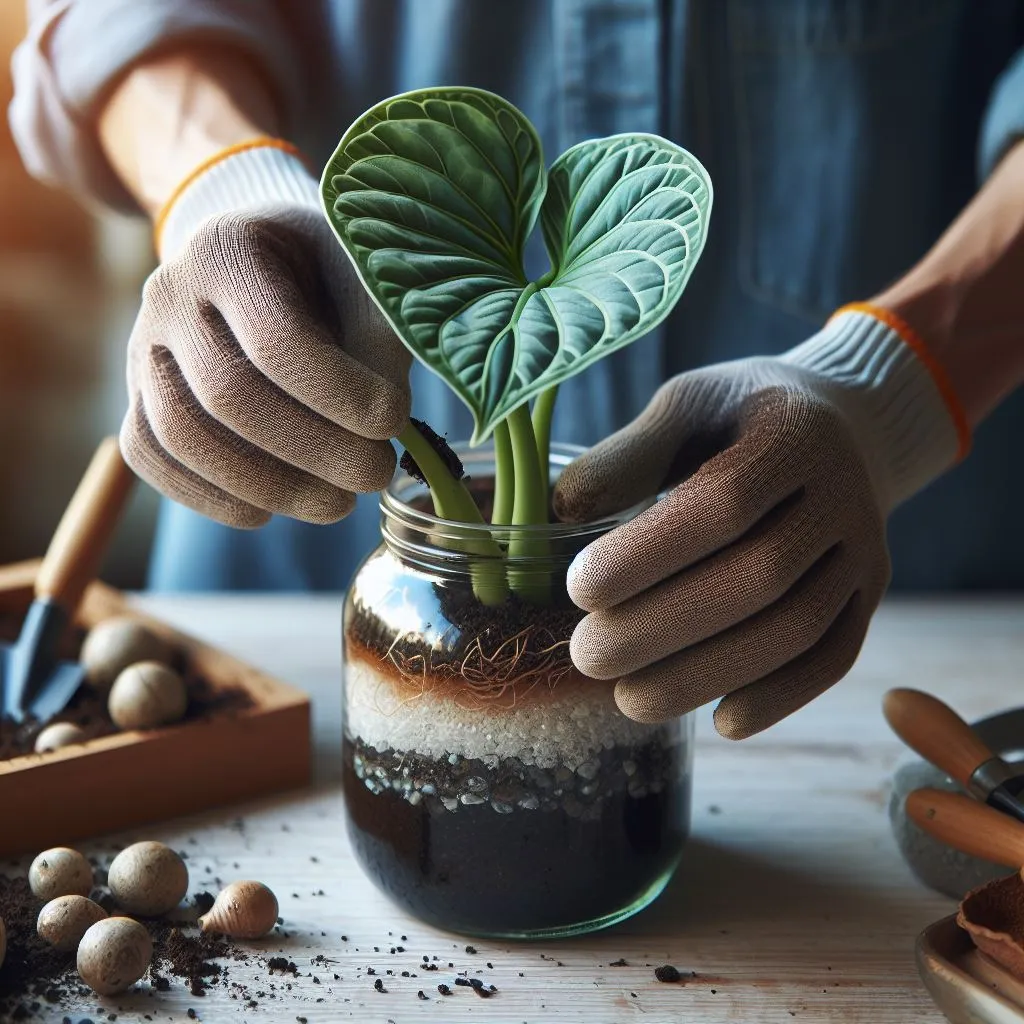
x=793 y=902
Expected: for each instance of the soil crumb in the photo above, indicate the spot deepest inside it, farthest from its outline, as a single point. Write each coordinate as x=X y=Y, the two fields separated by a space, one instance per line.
x=440 y=445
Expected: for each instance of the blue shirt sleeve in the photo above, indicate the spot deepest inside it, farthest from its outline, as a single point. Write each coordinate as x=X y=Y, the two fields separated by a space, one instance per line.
x=1004 y=119
x=75 y=50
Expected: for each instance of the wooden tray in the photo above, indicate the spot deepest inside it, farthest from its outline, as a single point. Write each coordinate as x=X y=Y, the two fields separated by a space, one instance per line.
x=129 y=778
x=966 y=985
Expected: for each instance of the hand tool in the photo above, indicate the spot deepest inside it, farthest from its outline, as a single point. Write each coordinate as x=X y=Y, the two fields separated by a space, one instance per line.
x=968 y=826
x=941 y=736
x=33 y=681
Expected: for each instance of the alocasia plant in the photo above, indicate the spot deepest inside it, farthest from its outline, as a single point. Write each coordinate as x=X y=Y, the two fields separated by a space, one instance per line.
x=434 y=193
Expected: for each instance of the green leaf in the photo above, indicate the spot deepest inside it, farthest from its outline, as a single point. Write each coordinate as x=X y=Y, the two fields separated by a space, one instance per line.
x=433 y=195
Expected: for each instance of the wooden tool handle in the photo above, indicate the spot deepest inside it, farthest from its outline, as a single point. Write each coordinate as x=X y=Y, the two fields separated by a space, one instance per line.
x=936 y=732
x=966 y=825
x=80 y=541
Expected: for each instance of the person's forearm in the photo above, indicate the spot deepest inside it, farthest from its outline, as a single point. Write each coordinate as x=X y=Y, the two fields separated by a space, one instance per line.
x=171 y=113
x=966 y=297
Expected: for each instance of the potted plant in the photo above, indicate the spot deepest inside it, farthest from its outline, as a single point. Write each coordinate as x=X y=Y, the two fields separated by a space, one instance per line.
x=490 y=787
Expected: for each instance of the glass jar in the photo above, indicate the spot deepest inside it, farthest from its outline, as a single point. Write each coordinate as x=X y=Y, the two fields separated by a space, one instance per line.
x=490 y=788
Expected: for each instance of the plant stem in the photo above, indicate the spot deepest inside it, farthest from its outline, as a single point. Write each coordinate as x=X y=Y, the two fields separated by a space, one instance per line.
x=451 y=498
x=543 y=408
x=504 y=476
x=529 y=507
x=453 y=501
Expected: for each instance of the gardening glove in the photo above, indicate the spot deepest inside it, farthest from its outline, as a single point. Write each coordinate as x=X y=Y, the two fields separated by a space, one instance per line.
x=261 y=377
x=755 y=577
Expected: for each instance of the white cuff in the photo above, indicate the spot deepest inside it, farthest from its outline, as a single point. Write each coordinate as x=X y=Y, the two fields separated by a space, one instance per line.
x=76 y=50
x=890 y=398
x=255 y=177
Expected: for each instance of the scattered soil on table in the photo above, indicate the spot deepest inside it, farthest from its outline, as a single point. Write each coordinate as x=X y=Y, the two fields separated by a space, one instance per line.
x=40 y=984
x=282 y=965
x=667 y=973
x=88 y=709
x=191 y=956
x=35 y=977
x=204 y=902
x=32 y=970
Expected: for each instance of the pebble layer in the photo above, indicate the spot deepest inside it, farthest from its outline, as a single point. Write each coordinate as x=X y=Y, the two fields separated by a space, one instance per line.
x=509 y=785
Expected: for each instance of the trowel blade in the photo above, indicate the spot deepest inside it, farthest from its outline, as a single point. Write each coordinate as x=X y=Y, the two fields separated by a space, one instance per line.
x=5 y=672
x=65 y=678
x=30 y=664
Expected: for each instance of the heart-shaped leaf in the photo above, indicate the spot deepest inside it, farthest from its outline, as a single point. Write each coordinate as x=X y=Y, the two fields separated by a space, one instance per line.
x=433 y=195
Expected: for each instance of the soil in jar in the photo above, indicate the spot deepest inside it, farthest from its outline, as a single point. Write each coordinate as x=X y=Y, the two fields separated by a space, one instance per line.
x=492 y=789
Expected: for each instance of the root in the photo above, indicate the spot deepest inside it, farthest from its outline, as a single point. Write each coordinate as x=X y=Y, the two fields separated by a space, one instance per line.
x=484 y=678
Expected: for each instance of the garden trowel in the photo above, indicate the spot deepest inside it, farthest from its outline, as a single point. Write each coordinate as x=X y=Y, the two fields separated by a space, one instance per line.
x=34 y=683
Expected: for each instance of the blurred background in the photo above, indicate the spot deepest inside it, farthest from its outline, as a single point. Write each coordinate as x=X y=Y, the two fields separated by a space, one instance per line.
x=69 y=289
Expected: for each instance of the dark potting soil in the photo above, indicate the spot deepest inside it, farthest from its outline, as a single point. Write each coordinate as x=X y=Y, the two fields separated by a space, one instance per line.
x=468 y=626
x=32 y=970
x=499 y=860
x=88 y=709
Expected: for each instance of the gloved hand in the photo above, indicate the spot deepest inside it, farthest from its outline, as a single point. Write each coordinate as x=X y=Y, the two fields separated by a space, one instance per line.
x=261 y=377
x=755 y=577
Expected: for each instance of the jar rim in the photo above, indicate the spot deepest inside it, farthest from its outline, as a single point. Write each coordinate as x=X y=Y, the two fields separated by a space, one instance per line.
x=394 y=506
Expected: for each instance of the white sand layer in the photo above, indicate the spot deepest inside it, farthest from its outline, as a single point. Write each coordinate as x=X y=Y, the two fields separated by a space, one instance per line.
x=567 y=726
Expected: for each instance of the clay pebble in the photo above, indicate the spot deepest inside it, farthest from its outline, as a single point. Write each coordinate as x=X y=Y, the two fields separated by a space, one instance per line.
x=60 y=734
x=114 y=644
x=62 y=922
x=114 y=954
x=60 y=871
x=147 y=695
x=148 y=879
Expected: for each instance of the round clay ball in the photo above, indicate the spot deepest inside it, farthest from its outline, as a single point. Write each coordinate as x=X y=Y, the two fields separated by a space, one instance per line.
x=60 y=734
x=62 y=922
x=114 y=954
x=148 y=879
x=147 y=695
x=114 y=644
x=60 y=872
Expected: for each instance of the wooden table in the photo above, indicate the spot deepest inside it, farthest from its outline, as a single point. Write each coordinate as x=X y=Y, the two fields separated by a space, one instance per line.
x=793 y=903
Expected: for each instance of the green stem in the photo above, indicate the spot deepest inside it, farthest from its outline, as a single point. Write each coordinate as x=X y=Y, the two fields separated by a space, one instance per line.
x=452 y=501
x=529 y=507
x=543 y=409
x=451 y=498
x=504 y=476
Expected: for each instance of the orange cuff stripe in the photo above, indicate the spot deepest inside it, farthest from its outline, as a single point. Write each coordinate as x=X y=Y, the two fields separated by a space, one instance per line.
x=938 y=374
x=260 y=142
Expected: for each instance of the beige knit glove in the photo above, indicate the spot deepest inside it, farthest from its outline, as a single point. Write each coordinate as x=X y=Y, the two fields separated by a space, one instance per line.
x=261 y=377
x=754 y=578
